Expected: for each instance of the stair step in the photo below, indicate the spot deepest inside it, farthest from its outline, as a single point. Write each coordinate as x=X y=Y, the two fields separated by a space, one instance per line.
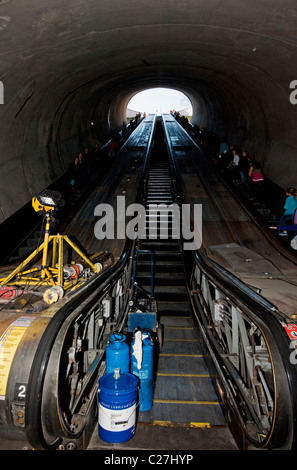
x=264 y=211
x=32 y=243
x=162 y=266
x=173 y=308
x=160 y=255
x=168 y=289
x=165 y=278
x=24 y=250
x=170 y=245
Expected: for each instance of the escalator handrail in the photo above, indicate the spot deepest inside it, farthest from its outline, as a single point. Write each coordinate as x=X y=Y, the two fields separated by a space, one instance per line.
x=36 y=380
x=210 y=266
x=254 y=302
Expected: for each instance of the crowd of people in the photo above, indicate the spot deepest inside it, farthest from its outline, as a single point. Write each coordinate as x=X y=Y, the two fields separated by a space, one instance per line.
x=238 y=165
x=242 y=166
x=183 y=120
x=83 y=168
x=243 y=169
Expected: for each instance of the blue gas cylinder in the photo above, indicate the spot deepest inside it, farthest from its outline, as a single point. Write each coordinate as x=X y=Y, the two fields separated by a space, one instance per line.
x=117 y=354
x=142 y=367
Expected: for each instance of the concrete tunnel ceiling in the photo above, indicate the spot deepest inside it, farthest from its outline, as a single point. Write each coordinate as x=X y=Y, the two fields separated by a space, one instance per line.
x=66 y=64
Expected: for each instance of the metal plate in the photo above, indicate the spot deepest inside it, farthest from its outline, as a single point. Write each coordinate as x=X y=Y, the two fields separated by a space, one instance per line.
x=245 y=262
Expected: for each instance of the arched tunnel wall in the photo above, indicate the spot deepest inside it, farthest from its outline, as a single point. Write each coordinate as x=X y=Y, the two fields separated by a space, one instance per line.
x=64 y=66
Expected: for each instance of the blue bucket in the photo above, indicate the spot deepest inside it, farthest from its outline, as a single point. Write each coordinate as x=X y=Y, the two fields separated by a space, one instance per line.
x=117 y=407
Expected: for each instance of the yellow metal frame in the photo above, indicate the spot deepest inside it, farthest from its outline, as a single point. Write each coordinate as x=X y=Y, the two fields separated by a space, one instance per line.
x=47 y=275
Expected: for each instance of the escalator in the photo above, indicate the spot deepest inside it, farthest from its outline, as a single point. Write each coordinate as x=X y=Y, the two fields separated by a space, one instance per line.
x=214 y=319
x=223 y=356
x=184 y=395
